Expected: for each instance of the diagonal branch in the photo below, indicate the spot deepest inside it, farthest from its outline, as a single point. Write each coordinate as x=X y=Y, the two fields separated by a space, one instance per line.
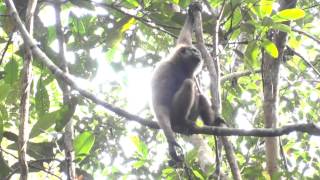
x=308 y=35
x=305 y=60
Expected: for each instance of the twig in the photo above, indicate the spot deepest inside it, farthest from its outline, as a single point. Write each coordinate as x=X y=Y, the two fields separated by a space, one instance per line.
x=142 y=20
x=7 y=46
x=237 y=75
x=307 y=34
x=305 y=60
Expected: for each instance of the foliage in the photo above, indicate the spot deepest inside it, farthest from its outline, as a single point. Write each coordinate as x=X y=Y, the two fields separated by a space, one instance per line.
x=115 y=45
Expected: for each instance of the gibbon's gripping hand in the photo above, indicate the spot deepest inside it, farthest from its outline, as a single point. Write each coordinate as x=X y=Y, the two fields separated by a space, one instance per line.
x=194 y=6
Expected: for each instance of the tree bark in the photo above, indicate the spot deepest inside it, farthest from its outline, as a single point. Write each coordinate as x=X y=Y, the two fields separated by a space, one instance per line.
x=68 y=132
x=25 y=94
x=270 y=77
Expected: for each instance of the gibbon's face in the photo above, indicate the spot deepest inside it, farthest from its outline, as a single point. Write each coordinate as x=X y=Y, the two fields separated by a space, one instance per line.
x=190 y=57
x=190 y=53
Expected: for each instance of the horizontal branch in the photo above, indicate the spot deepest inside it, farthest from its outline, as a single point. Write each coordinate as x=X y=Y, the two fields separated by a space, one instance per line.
x=311 y=129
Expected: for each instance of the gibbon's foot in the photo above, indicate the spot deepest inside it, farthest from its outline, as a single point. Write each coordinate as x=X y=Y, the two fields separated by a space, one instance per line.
x=219 y=121
x=174 y=147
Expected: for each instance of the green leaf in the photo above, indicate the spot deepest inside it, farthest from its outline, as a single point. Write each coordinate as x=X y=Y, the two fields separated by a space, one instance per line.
x=11 y=72
x=66 y=114
x=265 y=7
x=83 y=144
x=1 y=126
x=288 y=15
x=142 y=148
x=5 y=169
x=47 y=120
x=198 y=174
x=3 y=112
x=138 y=164
x=251 y=54
x=42 y=98
x=270 y=47
x=247 y=27
x=282 y=27
x=5 y=90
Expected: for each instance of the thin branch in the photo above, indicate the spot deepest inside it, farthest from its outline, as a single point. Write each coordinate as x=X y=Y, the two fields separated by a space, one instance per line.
x=305 y=60
x=140 y=19
x=7 y=46
x=67 y=99
x=237 y=75
x=308 y=35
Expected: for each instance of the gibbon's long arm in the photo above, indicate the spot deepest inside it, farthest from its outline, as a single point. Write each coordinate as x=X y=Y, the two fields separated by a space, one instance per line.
x=185 y=36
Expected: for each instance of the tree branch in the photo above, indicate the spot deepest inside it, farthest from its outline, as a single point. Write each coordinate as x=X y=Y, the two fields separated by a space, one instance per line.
x=309 y=128
x=214 y=72
x=305 y=60
x=307 y=34
x=237 y=75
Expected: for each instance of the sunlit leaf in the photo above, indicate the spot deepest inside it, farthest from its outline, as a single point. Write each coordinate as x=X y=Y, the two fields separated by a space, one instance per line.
x=142 y=148
x=266 y=7
x=132 y=3
x=270 y=47
x=128 y=25
x=288 y=14
x=83 y=144
x=251 y=54
x=138 y=164
x=198 y=174
x=175 y=1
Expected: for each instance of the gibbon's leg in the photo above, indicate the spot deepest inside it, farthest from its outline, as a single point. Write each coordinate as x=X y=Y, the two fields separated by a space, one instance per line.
x=164 y=123
x=205 y=110
x=207 y=114
x=182 y=103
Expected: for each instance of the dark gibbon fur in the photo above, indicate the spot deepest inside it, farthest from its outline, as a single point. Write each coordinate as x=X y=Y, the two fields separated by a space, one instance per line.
x=176 y=103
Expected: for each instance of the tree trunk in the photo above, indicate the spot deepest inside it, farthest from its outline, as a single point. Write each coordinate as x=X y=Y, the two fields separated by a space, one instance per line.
x=270 y=77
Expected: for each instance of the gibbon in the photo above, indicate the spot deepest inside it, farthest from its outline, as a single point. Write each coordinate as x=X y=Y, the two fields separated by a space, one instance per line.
x=175 y=102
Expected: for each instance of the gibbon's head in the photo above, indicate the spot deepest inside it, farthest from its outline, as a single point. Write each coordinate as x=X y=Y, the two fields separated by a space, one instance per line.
x=188 y=56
